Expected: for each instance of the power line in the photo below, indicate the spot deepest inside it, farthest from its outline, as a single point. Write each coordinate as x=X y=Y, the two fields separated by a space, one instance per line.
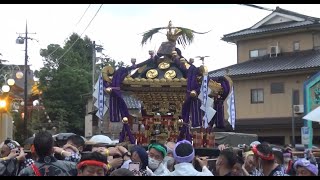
x=72 y=31
x=83 y=14
x=79 y=36
x=258 y=7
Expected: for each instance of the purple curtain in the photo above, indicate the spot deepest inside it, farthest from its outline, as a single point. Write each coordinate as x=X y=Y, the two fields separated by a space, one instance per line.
x=191 y=104
x=117 y=106
x=218 y=118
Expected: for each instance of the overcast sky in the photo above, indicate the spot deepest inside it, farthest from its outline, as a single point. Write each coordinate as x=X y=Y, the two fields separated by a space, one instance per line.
x=118 y=28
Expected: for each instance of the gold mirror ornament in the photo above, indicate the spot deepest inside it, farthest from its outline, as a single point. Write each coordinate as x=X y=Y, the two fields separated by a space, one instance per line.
x=170 y=74
x=164 y=65
x=152 y=73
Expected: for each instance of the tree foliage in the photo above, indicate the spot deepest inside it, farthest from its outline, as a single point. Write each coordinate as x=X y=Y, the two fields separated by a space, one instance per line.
x=64 y=79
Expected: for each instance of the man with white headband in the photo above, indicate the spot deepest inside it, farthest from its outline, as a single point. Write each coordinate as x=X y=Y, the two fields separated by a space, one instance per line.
x=184 y=155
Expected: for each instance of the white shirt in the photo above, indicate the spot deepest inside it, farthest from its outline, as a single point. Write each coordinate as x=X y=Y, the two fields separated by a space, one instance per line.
x=162 y=170
x=187 y=169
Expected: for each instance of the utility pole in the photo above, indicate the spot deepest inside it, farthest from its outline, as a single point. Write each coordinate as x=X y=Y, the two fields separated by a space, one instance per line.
x=26 y=69
x=93 y=64
x=292 y=121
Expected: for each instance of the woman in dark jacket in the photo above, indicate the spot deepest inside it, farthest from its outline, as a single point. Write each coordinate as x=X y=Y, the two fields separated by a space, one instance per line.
x=139 y=154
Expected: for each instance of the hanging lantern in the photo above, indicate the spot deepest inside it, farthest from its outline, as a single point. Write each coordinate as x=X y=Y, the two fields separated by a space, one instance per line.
x=5 y=88
x=10 y=82
x=19 y=75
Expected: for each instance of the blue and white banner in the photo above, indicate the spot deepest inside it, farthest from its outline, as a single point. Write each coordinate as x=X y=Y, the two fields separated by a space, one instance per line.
x=231 y=109
x=101 y=99
x=207 y=102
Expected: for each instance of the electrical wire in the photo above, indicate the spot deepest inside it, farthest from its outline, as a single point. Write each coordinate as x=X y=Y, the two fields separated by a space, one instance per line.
x=75 y=26
x=83 y=14
x=257 y=7
x=79 y=36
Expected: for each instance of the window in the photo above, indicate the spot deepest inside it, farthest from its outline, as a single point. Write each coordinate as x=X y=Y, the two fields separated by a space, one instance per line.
x=296 y=99
x=257 y=53
x=277 y=88
x=296 y=46
x=254 y=53
x=257 y=96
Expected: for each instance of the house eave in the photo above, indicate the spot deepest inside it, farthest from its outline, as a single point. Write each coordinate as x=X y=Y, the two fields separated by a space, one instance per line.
x=235 y=39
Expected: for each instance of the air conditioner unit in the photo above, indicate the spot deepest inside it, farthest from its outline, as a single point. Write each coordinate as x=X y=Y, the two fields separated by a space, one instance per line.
x=298 y=109
x=274 y=51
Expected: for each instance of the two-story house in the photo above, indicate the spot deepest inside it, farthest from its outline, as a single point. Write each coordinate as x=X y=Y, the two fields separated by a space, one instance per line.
x=274 y=58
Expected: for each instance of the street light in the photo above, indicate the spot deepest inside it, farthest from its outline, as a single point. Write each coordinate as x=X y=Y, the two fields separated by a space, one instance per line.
x=3 y=104
x=5 y=88
x=6 y=76
x=24 y=40
x=11 y=82
x=19 y=75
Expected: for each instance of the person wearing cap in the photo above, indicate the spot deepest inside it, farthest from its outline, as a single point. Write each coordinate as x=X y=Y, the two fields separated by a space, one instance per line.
x=254 y=143
x=156 y=154
x=264 y=159
x=184 y=155
x=303 y=167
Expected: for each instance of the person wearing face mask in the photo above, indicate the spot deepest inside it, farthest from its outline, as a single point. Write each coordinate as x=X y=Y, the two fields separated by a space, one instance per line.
x=169 y=160
x=156 y=154
x=287 y=162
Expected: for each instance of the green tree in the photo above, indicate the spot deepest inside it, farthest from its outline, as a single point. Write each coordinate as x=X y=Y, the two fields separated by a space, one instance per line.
x=66 y=76
x=64 y=79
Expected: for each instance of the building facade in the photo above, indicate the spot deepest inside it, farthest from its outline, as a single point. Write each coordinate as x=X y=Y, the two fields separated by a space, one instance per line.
x=274 y=58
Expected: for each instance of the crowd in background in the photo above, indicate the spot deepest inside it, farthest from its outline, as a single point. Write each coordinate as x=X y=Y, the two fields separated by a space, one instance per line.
x=46 y=157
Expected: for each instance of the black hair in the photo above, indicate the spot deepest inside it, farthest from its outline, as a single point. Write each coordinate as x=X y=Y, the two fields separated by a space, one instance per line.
x=278 y=155
x=43 y=144
x=230 y=156
x=155 y=143
x=76 y=140
x=184 y=149
x=122 y=172
x=94 y=156
x=266 y=150
x=239 y=160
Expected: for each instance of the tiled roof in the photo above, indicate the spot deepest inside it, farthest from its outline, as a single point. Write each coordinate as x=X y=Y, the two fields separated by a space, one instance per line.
x=265 y=64
x=131 y=102
x=308 y=21
x=269 y=28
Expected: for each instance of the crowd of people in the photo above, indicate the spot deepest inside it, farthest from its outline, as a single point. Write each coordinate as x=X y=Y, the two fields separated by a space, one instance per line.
x=74 y=158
